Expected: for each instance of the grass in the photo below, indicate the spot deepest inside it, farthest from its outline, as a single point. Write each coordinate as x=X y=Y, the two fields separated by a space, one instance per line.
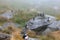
x=22 y=17
x=31 y=34
x=52 y=36
x=58 y=17
x=14 y=32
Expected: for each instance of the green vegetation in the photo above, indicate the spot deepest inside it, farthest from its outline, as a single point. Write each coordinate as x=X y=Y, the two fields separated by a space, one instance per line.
x=22 y=17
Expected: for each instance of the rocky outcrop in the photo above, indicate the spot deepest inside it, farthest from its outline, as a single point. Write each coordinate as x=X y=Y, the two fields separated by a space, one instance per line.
x=43 y=24
x=40 y=21
x=55 y=26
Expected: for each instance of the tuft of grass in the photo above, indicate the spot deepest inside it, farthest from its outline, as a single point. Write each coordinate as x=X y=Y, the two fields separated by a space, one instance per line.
x=31 y=34
x=52 y=36
x=58 y=17
x=16 y=35
x=14 y=32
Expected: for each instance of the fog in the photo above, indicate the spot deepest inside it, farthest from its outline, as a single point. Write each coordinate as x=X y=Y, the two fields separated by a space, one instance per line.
x=30 y=2
x=42 y=5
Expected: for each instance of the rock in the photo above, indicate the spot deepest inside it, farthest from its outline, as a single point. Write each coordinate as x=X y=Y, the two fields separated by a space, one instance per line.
x=33 y=39
x=1 y=28
x=7 y=15
x=47 y=31
x=40 y=21
x=4 y=36
x=43 y=25
x=7 y=24
x=55 y=25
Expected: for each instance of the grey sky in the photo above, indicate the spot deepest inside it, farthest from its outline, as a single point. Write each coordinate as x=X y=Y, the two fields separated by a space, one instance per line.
x=22 y=3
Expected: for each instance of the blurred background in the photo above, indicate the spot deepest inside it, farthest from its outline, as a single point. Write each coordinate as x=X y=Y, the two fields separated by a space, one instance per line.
x=47 y=6
x=15 y=13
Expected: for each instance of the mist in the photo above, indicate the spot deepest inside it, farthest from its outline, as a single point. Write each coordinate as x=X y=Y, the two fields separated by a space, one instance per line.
x=47 y=6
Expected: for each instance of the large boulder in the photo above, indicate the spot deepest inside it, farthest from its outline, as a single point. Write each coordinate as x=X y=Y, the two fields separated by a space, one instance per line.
x=55 y=26
x=40 y=21
x=43 y=24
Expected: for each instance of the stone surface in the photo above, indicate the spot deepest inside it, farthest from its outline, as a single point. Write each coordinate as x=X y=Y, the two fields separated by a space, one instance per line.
x=33 y=39
x=7 y=15
x=43 y=25
x=4 y=36
x=40 y=21
x=7 y=24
